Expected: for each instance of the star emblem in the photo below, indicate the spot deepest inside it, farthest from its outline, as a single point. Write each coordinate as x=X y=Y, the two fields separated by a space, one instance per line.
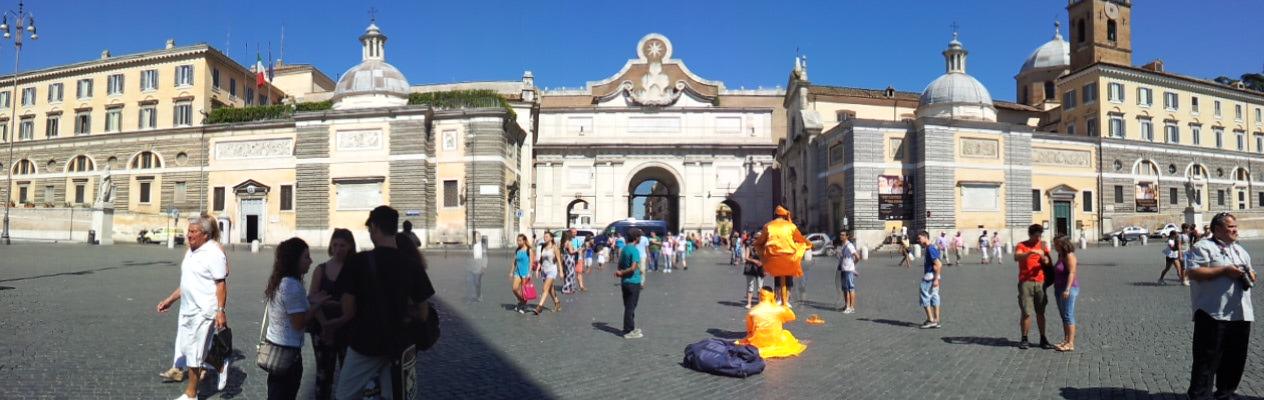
x=655 y=49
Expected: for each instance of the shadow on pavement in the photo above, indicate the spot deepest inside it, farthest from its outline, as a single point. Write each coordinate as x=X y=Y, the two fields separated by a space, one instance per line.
x=905 y=324
x=84 y=272
x=605 y=327
x=723 y=334
x=463 y=364
x=982 y=341
x=819 y=305
x=1150 y=283
x=1124 y=393
x=731 y=303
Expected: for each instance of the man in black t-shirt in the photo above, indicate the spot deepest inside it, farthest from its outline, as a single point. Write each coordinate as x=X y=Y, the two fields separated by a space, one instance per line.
x=381 y=288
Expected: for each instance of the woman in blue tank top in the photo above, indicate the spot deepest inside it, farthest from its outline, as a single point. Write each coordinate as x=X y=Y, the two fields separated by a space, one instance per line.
x=520 y=269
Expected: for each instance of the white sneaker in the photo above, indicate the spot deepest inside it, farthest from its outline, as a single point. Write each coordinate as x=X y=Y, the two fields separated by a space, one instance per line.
x=223 y=375
x=635 y=334
x=1185 y=282
x=849 y=311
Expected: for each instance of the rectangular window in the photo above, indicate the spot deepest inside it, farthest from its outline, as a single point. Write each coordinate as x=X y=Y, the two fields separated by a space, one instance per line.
x=450 y=193
x=1216 y=108
x=148 y=117
x=1070 y=129
x=1090 y=93
x=215 y=77
x=149 y=80
x=114 y=85
x=28 y=97
x=1171 y=101
x=181 y=190
x=232 y=87
x=1219 y=133
x=184 y=113
x=836 y=154
x=1068 y=99
x=1240 y=139
x=144 y=191
x=1172 y=132
x=83 y=122
x=217 y=200
x=1261 y=200
x=184 y=75
x=1237 y=112
x=250 y=95
x=22 y=194
x=1172 y=196
x=1259 y=116
x=113 y=119
x=1035 y=200
x=1090 y=127
x=980 y=197
x=1259 y=142
x=1193 y=104
x=263 y=99
x=287 y=197
x=1144 y=97
x=4 y=99
x=26 y=128
x=1220 y=197
x=1115 y=92
x=50 y=194
x=4 y=129
x=1119 y=194
x=1147 y=129
x=1117 y=126
x=83 y=89
x=1196 y=132
x=79 y=188
x=1088 y=201
x=55 y=92
x=52 y=125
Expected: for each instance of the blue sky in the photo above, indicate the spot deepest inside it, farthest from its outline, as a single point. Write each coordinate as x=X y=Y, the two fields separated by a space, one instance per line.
x=744 y=43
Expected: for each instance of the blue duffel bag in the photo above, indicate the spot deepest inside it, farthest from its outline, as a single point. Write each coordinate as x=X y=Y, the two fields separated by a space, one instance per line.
x=723 y=357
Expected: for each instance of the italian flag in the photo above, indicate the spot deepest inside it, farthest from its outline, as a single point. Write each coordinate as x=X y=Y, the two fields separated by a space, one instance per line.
x=261 y=72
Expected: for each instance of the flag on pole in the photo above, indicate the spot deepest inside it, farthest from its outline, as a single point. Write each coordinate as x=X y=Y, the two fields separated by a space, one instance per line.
x=261 y=76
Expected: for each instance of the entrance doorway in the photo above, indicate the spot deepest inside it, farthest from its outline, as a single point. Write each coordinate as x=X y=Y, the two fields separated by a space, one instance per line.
x=252 y=210
x=654 y=194
x=252 y=228
x=578 y=215
x=1062 y=218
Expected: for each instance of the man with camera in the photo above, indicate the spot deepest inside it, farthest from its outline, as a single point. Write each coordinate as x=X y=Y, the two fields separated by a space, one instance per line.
x=1221 y=279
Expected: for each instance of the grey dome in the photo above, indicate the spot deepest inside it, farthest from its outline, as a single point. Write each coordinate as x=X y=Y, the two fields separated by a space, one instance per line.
x=955 y=88
x=1055 y=53
x=372 y=77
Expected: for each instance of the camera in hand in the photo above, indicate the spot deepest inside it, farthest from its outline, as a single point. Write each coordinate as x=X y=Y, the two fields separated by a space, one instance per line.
x=1247 y=283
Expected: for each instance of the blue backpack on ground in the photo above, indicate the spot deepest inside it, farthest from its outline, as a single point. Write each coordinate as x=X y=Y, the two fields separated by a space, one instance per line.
x=723 y=357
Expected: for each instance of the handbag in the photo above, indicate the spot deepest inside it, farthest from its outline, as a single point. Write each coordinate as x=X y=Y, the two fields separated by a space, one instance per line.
x=528 y=290
x=426 y=332
x=272 y=357
x=221 y=348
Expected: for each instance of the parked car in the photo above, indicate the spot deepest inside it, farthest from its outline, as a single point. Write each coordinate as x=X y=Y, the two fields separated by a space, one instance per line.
x=622 y=226
x=821 y=244
x=159 y=235
x=1128 y=234
x=1165 y=230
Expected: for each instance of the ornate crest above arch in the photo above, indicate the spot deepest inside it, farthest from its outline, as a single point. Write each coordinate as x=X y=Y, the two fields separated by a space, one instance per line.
x=654 y=78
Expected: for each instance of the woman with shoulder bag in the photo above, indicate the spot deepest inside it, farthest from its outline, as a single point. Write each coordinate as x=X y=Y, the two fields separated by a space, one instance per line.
x=287 y=314
x=753 y=270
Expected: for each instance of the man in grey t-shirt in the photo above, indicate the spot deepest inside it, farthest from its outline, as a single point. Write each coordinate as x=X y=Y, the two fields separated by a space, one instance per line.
x=1221 y=275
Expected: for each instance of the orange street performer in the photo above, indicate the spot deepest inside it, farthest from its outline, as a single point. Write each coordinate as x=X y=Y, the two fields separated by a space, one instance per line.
x=782 y=246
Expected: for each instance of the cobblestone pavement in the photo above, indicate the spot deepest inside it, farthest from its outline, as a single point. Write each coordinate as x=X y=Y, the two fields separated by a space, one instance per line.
x=79 y=322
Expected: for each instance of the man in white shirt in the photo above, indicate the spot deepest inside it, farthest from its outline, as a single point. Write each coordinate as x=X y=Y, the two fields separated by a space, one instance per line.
x=203 y=293
x=847 y=259
x=1220 y=296
x=474 y=292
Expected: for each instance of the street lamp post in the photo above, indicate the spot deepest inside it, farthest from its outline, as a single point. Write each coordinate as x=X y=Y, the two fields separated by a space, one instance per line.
x=25 y=22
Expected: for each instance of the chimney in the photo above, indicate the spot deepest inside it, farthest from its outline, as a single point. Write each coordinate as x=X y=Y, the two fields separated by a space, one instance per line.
x=1156 y=66
x=171 y=43
x=105 y=54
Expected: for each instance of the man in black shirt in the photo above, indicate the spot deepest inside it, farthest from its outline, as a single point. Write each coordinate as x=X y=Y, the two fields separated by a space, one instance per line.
x=381 y=288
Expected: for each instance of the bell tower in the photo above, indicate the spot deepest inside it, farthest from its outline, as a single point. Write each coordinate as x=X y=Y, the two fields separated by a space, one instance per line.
x=1101 y=31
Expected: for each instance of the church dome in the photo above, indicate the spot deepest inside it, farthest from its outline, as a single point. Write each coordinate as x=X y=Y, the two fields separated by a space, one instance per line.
x=1055 y=53
x=373 y=82
x=955 y=94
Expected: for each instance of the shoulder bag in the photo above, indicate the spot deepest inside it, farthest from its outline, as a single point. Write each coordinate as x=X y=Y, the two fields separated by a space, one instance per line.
x=272 y=357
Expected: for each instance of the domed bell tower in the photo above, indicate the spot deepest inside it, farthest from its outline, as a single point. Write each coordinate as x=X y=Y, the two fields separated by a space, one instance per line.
x=1101 y=31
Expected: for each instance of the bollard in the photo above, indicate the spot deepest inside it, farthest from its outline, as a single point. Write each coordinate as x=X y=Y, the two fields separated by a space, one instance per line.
x=171 y=240
x=1145 y=239
x=917 y=251
x=1083 y=243
x=864 y=253
x=254 y=246
x=1114 y=241
x=965 y=251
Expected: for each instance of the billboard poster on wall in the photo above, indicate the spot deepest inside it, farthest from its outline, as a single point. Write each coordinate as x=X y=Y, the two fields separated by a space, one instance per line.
x=1147 y=197
x=895 y=200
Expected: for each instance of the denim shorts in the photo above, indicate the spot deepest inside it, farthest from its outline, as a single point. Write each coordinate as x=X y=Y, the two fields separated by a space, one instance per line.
x=929 y=294
x=847 y=279
x=1066 y=308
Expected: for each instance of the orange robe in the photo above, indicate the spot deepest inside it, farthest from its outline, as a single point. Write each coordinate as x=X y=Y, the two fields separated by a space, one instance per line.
x=764 y=329
x=783 y=248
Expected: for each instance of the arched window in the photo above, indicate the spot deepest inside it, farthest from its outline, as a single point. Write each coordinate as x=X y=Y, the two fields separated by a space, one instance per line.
x=1049 y=90
x=24 y=167
x=146 y=160
x=80 y=164
x=1147 y=169
x=1110 y=30
x=1197 y=171
x=1079 y=31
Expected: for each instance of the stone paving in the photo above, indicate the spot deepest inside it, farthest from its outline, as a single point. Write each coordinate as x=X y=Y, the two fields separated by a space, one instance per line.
x=79 y=322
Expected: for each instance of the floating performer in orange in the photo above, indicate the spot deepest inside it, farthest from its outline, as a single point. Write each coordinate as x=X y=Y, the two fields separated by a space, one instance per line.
x=783 y=247
x=764 y=330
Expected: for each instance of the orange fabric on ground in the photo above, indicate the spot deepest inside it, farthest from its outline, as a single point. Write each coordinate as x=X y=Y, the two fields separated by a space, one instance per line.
x=784 y=247
x=764 y=329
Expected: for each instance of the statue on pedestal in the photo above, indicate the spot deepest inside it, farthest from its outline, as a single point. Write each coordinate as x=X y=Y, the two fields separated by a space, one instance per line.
x=105 y=191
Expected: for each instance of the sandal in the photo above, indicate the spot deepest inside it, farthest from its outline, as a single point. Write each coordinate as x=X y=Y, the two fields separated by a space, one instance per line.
x=1063 y=348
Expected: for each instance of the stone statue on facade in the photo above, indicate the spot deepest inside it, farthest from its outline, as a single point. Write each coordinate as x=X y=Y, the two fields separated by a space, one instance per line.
x=105 y=191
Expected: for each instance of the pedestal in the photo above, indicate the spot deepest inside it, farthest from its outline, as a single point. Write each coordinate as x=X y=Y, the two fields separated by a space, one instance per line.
x=103 y=224
x=1194 y=217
